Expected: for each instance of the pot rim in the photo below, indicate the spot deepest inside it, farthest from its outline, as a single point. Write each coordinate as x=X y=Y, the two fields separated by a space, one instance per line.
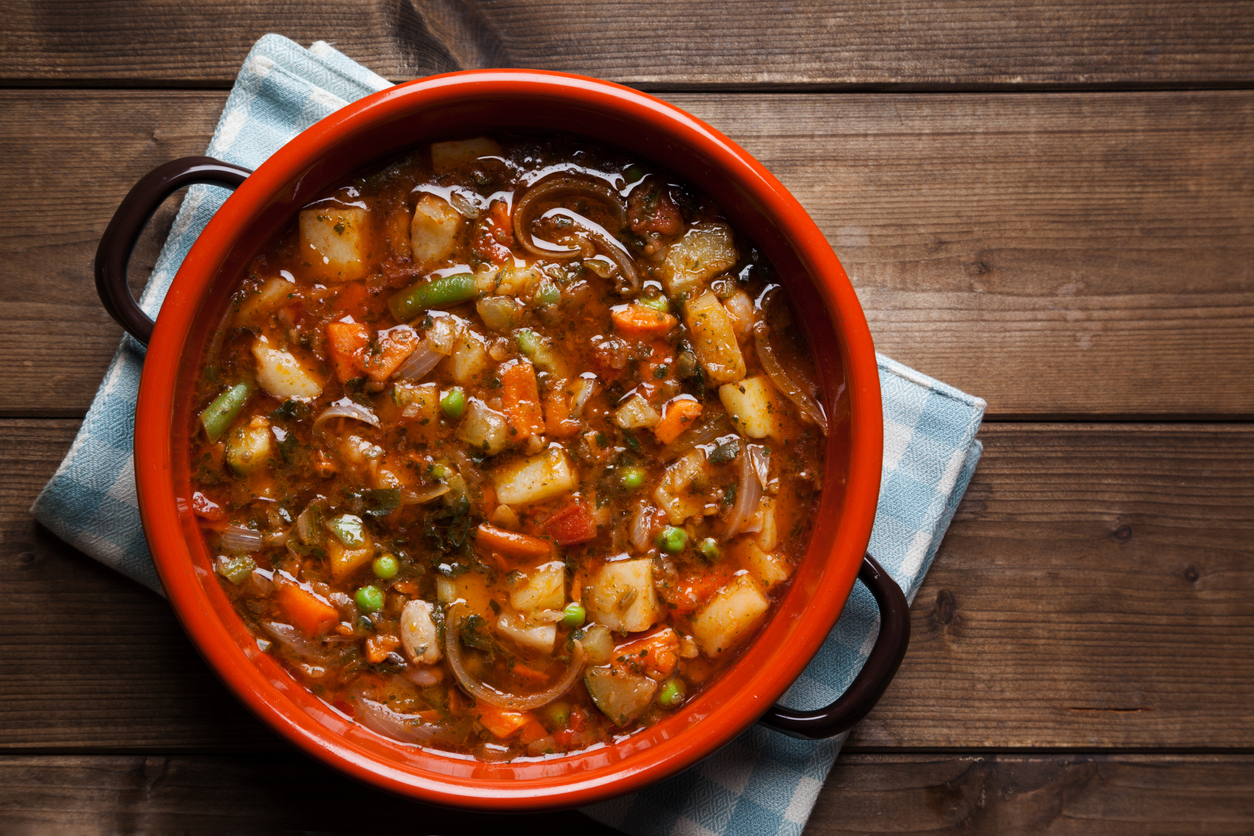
x=166 y=516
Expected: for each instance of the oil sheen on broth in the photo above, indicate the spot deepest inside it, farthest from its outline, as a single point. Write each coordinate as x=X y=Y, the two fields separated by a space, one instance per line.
x=508 y=448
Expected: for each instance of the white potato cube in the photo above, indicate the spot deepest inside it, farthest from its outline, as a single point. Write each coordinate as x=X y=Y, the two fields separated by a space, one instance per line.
x=636 y=413
x=752 y=407
x=621 y=596
x=446 y=156
x=544 y=476
x=543 y=588
x=540 y=637
x=334 y=240
x=767 y=568
x=681 y=492
x=730 y=617
x=705 y=251
x=621 y=695
x=282 y=375
x=484 y=428
x=714 y=339
x=469 y=360
x=433 y=232
x=419 y=403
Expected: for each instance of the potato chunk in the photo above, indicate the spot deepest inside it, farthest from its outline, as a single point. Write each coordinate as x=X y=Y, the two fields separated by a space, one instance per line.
x=752 y=406
x=543 y=588
x=484 y=428
x=714 y=339
x=705 y=251
x=282 y=375
x=433 y=232
x=619 y=694
x=544 y=476
x=446 y=156
x=730 y=616
x=621 y=596
x=469 y=359
x=542 y=637
x=680 y=493
x=767 y=568
x=334 y=240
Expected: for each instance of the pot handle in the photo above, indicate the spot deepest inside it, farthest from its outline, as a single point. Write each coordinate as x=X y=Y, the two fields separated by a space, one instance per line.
x=132 y=215
x=872 y=680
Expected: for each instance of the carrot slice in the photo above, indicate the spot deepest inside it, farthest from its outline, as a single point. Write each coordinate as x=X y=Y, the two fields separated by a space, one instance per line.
x=500 y=722
x=520 y=396
x=346 y=343
x=655 y=655
x=395 y=346
x=533 y=731
x=677 y=417
x=641 y=320
x=511 y=542
x=306 y=611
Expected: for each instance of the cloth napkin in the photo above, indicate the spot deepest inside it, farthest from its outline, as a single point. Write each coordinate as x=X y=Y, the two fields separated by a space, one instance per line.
x=763 y=782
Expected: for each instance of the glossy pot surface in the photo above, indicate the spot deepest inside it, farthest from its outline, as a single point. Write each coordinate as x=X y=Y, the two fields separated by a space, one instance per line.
x=368 y=133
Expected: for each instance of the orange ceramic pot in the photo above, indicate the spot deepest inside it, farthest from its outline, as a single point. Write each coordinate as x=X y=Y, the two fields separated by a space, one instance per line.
x=368 y=133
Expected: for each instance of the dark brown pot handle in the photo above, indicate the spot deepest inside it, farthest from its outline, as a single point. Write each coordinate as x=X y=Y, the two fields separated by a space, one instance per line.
x=872 y=680
x=122 y=233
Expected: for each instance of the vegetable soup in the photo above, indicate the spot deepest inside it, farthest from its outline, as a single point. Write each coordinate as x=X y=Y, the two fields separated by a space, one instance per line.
x=508 y=448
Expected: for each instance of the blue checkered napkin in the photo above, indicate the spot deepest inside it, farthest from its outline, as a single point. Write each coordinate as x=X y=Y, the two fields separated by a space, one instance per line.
x=762 y=783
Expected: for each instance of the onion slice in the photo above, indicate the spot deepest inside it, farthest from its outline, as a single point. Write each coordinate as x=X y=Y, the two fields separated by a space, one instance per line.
x=236 y=538
x=809 y=409
x=294 y=640
x=482 y=691
x=706 y=433
x=422 y=361
x=412 y=497
x=345 y=408
x=409 y=728
x=641 y=527
x=748 y=497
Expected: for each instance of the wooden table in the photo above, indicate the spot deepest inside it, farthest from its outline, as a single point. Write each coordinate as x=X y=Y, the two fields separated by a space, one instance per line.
x=1048 y=205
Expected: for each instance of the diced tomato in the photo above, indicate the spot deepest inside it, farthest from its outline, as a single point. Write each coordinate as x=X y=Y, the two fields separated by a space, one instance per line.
x=654 y=655
x=346 y=344
x=571 y=525
x=394 y=347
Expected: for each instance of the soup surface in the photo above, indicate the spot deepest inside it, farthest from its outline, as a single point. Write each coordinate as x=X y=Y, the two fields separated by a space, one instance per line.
x=508 y=448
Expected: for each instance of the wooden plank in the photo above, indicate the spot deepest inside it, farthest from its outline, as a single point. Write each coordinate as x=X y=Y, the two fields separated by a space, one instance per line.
x=1055 y=795
x=1061 y=255
x=911 y=44
x=1096 y=591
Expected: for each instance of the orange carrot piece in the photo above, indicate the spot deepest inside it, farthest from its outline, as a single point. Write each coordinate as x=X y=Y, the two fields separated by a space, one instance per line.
x=656 y=654
x=306 y=611
x=520 y=396
x=677 y=417
x=641 y=320
x=511 y=542
x=533 y=731
x=557 y=420
x=346 y=343
x=395 y=346
x=530 y=674
x=502 y=723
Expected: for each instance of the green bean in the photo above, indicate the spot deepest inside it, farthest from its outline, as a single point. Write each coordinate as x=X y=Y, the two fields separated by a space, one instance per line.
x=217 y=417
x=441 y=292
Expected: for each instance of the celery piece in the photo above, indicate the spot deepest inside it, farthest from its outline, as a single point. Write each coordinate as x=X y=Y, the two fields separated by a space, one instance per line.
x=217 y=416
x=441 y=292
x=349 y=529
x=235 y=569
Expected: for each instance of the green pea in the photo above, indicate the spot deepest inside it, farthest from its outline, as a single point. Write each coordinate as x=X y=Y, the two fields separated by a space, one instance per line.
x=441 y=292
x=453 y=402
x=385 y=566
x=673 y=539
x=631 y=477
x=673 y=694
x=558 y=714
x=369 y=599
x=573 y=615
x=633 y=173
x=709 y=549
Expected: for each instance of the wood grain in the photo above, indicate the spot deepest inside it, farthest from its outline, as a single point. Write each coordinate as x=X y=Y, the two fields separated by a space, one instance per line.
x=1061 y=255
x=907 y=43
x=1054 y=795
x=1096 y=591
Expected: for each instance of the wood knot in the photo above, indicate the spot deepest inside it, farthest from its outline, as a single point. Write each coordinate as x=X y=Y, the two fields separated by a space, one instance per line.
x=1191 y=575
x=946 y=606
x=1123 y=533
x=27 y=558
